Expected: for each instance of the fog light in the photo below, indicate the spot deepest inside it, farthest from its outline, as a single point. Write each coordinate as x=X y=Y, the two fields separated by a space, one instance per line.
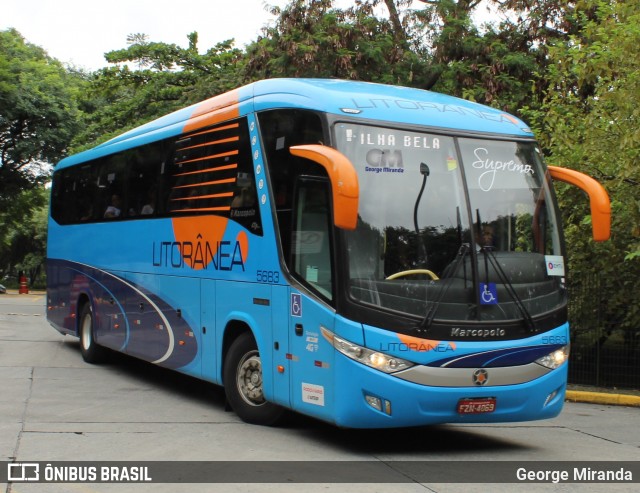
x=374 y=402
x=378 y=404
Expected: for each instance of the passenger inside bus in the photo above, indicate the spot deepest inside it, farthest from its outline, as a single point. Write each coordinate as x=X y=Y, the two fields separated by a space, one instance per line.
x=486 y=239
x=115 y=208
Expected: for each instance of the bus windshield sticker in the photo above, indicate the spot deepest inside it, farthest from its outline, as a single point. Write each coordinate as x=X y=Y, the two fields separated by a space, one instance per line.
x=488 y=293
x=492 y=166
x=555 y=265
x=312 y=274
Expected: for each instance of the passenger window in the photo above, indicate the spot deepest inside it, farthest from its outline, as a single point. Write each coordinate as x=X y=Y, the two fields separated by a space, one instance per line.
x=311 y=237
x=73 y=195
x=212 y=173
x=110 y=187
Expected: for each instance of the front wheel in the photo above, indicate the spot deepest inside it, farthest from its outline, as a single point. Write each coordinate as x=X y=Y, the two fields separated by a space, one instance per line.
x=243 y=383
x=91 y=352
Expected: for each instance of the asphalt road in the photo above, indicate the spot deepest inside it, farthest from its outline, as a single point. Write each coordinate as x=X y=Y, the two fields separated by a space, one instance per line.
x=55 y=407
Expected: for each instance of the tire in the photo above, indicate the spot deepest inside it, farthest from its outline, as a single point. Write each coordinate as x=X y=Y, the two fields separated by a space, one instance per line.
x=89 y=348
x=243 y=383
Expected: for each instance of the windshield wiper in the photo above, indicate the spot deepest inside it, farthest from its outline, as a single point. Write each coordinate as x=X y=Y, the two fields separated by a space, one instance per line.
x=488 y=254
x=427 y=321
x=464 y=249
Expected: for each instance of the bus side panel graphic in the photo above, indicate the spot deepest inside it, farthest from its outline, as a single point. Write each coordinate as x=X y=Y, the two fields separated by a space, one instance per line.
x=127 y=317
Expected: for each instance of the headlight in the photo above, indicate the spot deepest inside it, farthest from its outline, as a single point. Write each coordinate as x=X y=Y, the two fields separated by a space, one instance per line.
x=555 y=359
x=374 y=359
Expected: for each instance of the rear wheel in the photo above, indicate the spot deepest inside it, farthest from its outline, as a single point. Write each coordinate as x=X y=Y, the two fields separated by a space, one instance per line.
x=243 y=383
x=90 y=350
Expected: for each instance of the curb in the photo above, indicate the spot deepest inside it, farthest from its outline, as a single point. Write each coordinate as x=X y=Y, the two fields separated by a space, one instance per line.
x=602 y=398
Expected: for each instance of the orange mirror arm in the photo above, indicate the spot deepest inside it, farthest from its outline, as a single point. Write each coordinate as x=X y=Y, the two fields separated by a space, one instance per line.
x=344 y=181
x=598 y=198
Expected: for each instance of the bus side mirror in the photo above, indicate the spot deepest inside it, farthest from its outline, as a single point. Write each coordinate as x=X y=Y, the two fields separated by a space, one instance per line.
x=344 y=181
x=598 y=198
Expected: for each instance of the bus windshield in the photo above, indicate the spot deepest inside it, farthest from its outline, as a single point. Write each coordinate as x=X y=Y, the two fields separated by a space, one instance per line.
x=451 y=228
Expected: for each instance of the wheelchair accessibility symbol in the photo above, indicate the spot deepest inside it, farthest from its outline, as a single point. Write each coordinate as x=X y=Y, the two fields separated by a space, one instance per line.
x=296 y=305
x=488 y=293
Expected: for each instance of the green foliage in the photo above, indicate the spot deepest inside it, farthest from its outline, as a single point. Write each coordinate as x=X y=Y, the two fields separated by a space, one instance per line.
x=314 y=39
x=38 y=114
x=437 y=47
x=23 y=233
x=149 y=79
x=590 y=121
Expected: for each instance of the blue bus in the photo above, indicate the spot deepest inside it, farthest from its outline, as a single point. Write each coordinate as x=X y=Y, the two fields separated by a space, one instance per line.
x=369 y=255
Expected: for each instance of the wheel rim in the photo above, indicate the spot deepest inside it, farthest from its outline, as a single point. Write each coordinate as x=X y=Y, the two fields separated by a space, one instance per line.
x=249 y=379
x=86 y=332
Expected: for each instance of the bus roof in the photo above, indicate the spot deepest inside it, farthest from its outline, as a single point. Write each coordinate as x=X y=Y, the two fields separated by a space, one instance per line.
x=369 y=101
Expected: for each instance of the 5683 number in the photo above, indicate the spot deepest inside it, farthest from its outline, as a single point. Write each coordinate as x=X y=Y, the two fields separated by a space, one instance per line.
x=554 y=340
x=268 y=276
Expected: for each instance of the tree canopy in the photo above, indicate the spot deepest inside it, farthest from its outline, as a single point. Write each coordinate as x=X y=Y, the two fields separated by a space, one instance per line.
x=590 y=121
x=149 y=79
x=38 y=114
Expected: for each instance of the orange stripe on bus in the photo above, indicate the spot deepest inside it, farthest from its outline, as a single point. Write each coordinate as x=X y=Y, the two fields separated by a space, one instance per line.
x=215 y=182
x=211 y=196
x=202 y=209
x=215 y=110
x=219 y=168
x=212 y=130
x=213 y=156
x=213 y=142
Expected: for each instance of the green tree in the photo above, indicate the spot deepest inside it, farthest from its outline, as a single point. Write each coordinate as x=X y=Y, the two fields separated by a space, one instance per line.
x=436 y=47
x=149 y=79
x=590 y=121
x=38 y=114
x=501 y=62
x=23 y=227
x=315 y=39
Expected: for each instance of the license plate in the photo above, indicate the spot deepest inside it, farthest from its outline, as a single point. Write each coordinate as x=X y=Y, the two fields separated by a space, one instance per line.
x=477 y=406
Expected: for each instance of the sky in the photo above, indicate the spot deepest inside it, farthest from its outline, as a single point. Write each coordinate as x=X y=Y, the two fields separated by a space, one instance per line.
x=79 y=32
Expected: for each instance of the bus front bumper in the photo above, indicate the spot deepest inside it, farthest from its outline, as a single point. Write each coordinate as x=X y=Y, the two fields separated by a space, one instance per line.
x=371 y=399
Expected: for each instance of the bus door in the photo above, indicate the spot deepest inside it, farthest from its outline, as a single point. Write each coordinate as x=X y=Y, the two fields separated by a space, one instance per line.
x=311 y=263
x=281 y=357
